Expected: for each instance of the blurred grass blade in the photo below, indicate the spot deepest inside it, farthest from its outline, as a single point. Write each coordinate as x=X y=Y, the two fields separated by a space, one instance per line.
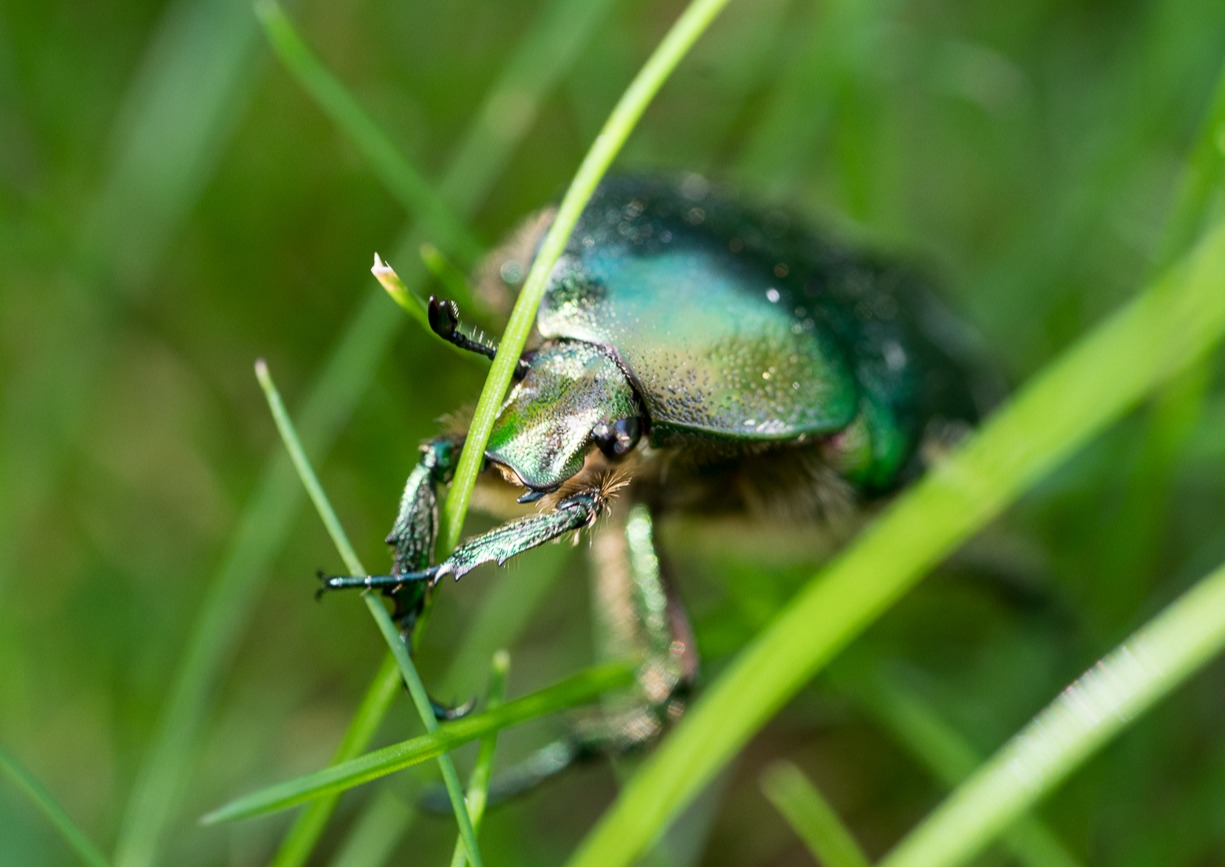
x=1201 y=180
x=811 y=817
x=1105 y=700
x=546 y=51
x=576 y=690
x=453 y=280
x=167 y=146
x=394 y=287
x=1131 y=551
x=478 y=785
x=375 y=834
x=374 y=604
x=308 y=826
x=946 y=753
x=398 y=175
x=1168 y=327
x=621 y=122
x=47 y=805
x=425 y=708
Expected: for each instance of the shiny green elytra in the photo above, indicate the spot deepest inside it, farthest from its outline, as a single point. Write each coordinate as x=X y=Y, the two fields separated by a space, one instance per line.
x=693 y=356
x=729 y=330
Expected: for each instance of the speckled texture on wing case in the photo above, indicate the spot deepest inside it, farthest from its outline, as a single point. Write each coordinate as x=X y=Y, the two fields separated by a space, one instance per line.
x=711 y=317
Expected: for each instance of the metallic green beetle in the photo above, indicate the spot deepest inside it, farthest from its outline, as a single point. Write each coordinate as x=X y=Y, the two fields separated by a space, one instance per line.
x=693 y=356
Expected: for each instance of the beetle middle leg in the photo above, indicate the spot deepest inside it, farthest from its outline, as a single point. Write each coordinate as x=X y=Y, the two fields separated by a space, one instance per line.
x=637 y=616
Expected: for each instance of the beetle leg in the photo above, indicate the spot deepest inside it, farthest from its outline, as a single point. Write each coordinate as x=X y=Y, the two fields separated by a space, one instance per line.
x=412 y=540
x=574 y=512
x=639 y=617
x=415 y=529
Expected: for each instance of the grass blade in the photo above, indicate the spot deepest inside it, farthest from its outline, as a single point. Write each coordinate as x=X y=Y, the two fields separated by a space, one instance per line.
x=1105 y=700
x=543 y=56
x=373 y=602
x=308 y=827
x=376 y=833
x=576 y=690
x=621 y=122
x=478 y=785
x=398 y=175
x=811 y=817
x=1168 y=327
x=947 y=754
x=47 y=805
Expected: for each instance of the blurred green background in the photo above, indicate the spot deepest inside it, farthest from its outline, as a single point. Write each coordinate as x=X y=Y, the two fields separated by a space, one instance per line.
x=174 y=206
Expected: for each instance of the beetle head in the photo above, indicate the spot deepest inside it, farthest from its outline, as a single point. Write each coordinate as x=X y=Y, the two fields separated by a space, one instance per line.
x=573 y=397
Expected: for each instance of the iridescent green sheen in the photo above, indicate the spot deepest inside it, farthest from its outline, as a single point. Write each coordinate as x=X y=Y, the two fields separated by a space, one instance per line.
x=777 y=375
x=544 y=430
x=719 y=338
x=740 y=326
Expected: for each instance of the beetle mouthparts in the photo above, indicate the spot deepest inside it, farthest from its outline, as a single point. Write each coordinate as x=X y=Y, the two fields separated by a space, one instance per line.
x=532 y=495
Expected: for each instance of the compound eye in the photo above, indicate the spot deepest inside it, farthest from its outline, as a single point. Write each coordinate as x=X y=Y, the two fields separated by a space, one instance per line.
x=618 y=439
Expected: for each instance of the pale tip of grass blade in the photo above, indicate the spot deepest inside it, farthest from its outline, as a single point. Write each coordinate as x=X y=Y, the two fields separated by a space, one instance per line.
x=394 y=286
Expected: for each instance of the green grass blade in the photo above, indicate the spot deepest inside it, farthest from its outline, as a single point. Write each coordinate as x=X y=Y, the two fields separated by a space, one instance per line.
x=1131 y=551
x=166 y=146
x=49 y=807
x=946 y=753
x=1201 y=180
x=416 y=689
x=308 y=827
x=478 y=784
x=1165 y=329
x=575 y=690
x=621 y=122
x=375 y=835
x=811 y=817
x=1105 y=700
x=450 y=276
x=543 y=56
x=373 y=602
x=398 y=175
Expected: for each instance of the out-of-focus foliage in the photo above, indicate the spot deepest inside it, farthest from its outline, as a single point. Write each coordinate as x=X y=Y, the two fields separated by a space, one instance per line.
x=172 y=206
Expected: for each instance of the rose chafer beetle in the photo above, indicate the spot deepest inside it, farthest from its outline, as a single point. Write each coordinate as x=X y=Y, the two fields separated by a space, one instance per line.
x=692 y=356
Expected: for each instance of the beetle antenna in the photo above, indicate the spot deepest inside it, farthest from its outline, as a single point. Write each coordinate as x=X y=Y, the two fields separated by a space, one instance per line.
x=444 y=321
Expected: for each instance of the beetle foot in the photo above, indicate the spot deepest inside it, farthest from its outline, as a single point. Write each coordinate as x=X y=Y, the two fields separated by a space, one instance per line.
x=447 y=713
x=519 y=779
x=373 y=582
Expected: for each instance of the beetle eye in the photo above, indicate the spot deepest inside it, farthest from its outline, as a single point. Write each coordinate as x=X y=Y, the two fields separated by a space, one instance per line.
x=618 y=439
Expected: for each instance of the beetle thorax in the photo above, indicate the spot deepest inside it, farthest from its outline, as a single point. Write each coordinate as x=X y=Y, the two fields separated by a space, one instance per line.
x=573 y=397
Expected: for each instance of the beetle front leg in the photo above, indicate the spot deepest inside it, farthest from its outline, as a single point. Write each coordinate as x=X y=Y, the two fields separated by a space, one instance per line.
x=415 y=530
x=412 y=539
x=573 y=512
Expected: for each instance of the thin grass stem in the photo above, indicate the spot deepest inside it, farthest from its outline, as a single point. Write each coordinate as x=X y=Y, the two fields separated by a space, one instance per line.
x=49 y=807
x=621 y=122
x=1077 y=396
x=482 y=771
x=571 y=692
x=811 y=817
x=1105 y=700
x=399 y=648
